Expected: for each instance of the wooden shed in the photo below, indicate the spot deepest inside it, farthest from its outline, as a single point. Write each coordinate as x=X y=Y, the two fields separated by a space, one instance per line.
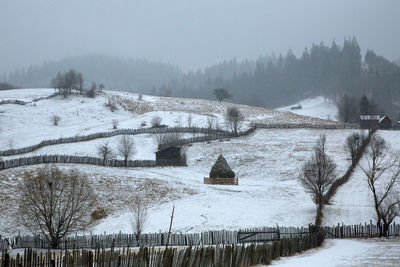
x=385 y=123
x=170 y=156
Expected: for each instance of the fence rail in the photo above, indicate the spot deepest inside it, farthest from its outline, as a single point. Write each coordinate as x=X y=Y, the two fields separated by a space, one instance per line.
x=359 y=230
x=45 y=159
x=212 y=133
x=21 y=102
x=220 y=255
x=220 y=237
x=157 y=239
x=82 y=138
x=307 y=126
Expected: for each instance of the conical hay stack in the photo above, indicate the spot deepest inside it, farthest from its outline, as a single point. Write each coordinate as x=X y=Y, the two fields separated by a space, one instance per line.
x=221 y=169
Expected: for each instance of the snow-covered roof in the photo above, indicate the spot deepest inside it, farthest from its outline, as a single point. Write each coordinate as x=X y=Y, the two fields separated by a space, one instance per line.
x=370 y=117
x=383 y=118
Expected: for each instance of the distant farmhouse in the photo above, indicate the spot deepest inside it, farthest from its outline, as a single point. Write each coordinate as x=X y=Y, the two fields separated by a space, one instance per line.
x=375 y=122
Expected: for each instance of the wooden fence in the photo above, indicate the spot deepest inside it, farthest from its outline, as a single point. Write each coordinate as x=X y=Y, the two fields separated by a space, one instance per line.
x=359 y=230
x=44 y=159
x=21 y=102
x=158 y=239
x=191 y=140
x=198 y=239
x=213 y=134
x=82 y=138
x=219 y=255
x=327 y=126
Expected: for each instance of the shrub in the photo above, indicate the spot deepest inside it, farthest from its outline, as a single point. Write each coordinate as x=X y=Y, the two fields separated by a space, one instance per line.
x=55 y=119
x=111 y=104
x=155 y=122
x=115 y=124
x=98 y=214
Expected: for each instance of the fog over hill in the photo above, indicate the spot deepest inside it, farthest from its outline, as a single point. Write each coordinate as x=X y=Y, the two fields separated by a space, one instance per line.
x=330 y=70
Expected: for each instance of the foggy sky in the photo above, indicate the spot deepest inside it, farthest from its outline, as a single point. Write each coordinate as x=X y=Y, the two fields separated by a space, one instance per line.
x=190 y=33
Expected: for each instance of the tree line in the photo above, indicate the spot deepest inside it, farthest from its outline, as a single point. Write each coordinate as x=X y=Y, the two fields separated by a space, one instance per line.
x=330 y=70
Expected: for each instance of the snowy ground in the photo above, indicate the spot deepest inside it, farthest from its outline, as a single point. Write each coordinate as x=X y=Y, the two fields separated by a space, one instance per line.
x=24 y=125
x=145 y=147
x=267 y=163
x=314 y=107
x=347 y=252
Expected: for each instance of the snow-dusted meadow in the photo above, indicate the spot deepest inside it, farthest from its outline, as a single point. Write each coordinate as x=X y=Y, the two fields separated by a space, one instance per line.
x=317 y=107
x=267 y=163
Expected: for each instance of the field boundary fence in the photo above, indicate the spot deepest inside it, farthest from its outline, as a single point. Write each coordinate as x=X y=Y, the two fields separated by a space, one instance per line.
x=199 y=256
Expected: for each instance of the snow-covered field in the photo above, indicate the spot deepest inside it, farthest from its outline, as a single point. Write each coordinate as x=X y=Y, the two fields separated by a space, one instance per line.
x=316 y=107
x=29 y=124
x=267 y=163
x=347 y=252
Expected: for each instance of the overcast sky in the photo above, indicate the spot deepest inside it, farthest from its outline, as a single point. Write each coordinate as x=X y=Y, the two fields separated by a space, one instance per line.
x=190 y=33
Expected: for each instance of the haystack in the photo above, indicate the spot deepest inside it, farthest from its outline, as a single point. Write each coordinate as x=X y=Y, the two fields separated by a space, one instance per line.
x=221 y=169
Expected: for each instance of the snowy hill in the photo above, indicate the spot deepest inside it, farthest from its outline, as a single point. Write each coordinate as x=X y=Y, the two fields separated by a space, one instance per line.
x=267 y=162
x=314 y=107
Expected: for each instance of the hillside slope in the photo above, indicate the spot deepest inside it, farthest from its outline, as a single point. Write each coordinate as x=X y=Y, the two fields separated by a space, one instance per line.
x=267 y=162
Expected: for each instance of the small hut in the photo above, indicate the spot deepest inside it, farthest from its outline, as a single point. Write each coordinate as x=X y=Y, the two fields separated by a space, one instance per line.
x=221 y=173
x=170 y=156
x=385 y=123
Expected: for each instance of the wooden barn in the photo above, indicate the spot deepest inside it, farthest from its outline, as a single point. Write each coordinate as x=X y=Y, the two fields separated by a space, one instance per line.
x=369 y=121
x=385 y=123
x=170 y=156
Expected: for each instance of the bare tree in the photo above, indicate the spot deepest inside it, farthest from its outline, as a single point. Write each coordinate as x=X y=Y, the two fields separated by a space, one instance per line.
x=382 y=174
x=55 y=119
x=155 y=122
x=115 y=124
x=210 y=123
x=92 y=91
x=234 y=119
x=317 y=175
x=354 y=142
x=55 y=203
x=189 y=120
x=126 y=148
x=221 y=94
x=80 y=82
x=105 y=151
x=138 y=207
x=168 y=139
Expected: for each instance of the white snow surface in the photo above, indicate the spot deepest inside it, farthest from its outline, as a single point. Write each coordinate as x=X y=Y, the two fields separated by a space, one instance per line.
x=347 y=252
x=26 y=95
x=314 y=107
x=267 y=163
